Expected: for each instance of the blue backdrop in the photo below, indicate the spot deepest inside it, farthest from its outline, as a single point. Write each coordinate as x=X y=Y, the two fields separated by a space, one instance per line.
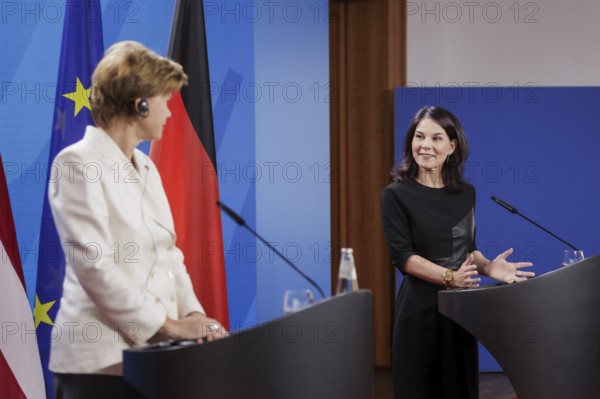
x=533 y=147
x=269 y=73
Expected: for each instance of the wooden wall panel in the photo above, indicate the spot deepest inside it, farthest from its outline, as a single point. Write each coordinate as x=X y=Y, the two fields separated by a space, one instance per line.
x=367 y=61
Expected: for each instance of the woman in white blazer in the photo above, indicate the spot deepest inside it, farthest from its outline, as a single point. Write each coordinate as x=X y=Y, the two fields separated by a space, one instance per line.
x=125 y=283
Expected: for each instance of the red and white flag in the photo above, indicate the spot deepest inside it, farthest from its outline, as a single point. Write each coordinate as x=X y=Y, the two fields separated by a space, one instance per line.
x=20 y=367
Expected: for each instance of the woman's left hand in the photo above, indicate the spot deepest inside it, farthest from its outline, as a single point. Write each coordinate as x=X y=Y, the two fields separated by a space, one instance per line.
x=509 y=272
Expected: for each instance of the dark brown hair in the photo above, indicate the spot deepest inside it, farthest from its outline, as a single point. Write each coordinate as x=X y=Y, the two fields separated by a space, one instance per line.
x=452 y=172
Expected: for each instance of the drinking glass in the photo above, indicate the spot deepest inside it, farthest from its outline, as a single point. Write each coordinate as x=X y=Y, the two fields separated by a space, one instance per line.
x=295 y=300
x=572 y=256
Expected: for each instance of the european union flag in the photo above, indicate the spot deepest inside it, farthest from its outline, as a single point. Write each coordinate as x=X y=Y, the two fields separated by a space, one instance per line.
x=82 y=47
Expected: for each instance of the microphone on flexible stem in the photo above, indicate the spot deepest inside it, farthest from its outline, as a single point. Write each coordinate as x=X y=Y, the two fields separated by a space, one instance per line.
x=240 y=220
x=514 y=210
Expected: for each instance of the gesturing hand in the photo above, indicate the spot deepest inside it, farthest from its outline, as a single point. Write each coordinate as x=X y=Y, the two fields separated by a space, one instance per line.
x=502 y=270
x=465 y=276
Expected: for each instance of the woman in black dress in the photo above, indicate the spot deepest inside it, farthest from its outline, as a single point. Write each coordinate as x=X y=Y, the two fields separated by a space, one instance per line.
x=428 y=218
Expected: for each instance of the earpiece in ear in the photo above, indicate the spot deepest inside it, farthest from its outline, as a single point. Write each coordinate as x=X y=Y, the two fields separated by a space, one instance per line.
x=142 y=108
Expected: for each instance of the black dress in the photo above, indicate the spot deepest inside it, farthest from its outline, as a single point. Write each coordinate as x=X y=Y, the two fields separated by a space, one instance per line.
x=432 y=356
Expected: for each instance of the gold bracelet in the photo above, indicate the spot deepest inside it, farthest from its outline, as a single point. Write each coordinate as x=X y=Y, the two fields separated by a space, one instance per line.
x=447 y=278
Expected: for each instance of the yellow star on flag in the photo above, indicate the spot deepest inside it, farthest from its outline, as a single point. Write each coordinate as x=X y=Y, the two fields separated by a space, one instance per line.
x=81 y=96
x=40 y=312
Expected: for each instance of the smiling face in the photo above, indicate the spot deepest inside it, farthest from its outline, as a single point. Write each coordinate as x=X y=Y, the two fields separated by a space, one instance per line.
x=431 y=146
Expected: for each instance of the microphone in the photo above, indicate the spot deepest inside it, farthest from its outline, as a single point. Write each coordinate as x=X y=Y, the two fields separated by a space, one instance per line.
x=236 y=218
x=514 y=210
x=503 y=204
x=240 y=220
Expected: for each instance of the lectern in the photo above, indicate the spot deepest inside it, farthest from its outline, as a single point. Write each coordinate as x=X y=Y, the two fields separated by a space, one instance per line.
x=325 y=351
x=544 y=332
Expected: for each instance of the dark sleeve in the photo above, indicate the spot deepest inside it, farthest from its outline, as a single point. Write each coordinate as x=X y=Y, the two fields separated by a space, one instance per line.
x=396 y=227
x=473 y=246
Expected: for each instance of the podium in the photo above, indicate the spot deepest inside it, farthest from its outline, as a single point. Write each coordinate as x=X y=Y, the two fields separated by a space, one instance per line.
x=324 y=351
x=544 y=332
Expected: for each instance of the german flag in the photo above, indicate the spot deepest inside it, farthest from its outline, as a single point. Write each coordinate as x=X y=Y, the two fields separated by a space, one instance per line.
x=186 y=160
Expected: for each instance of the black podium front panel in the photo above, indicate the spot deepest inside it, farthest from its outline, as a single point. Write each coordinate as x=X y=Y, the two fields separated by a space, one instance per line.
x=325 y=351
x=544 y=332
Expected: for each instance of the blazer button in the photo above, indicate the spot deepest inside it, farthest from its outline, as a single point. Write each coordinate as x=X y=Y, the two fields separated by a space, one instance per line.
x=153 y=275
x=157 y=300
x=171 y=274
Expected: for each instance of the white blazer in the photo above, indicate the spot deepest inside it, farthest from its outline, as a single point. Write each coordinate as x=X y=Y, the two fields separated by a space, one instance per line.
x=124 y=274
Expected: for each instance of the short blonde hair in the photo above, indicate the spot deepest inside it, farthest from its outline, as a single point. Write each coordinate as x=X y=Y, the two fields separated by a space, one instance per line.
x=127 y=72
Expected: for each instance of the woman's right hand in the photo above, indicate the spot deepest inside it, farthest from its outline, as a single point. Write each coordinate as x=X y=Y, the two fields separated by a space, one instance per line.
x=465 y=276
x=195 y=326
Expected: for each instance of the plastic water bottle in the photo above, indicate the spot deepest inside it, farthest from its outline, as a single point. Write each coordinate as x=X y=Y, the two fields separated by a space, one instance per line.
x=347 y=281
